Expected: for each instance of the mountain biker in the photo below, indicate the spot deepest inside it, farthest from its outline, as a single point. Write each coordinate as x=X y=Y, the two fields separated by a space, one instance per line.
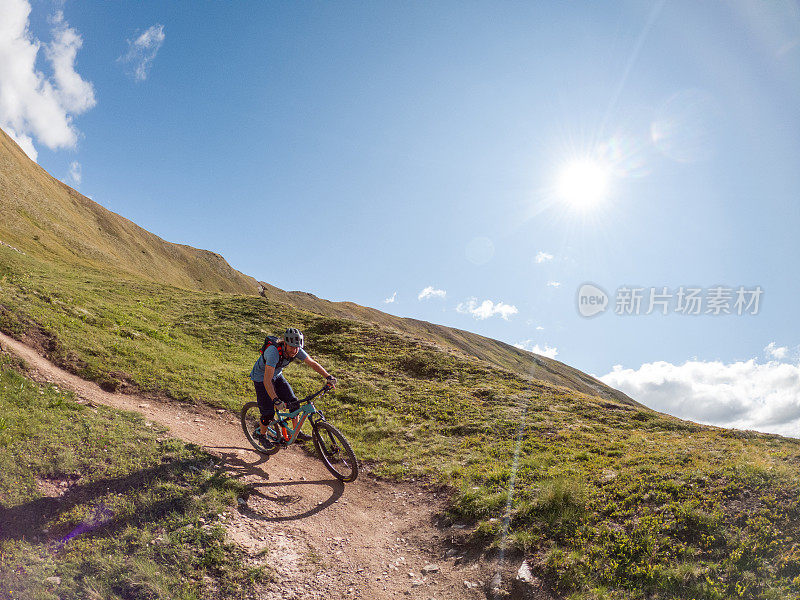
x=272 y=388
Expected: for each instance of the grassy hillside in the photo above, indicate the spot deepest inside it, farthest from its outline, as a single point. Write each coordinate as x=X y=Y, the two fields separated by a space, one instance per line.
x=96 y=504
x=606 y=498
x=609 y=500
x=45 y=218
x=488 y=350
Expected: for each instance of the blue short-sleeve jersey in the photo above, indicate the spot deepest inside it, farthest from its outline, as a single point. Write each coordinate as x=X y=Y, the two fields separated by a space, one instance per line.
x=272 y=358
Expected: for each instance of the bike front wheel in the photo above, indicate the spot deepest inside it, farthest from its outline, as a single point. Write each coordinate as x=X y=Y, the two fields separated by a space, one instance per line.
x=251 y=421
x=335 y=451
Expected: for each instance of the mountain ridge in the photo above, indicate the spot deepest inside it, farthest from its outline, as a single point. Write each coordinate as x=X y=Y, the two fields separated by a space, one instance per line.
x=45 y=217
x=602 y=499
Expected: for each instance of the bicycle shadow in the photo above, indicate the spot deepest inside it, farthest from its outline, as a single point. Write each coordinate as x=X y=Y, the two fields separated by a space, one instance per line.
x=237 y=467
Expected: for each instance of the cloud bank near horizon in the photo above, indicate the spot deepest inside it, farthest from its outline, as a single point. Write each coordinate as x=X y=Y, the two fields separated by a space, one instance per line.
x=748 y=394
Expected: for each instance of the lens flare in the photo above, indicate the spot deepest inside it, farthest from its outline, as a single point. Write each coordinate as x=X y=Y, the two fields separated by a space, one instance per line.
x=687 y=127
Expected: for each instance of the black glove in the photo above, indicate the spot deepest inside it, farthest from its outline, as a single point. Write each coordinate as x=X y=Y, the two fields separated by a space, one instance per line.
x=331 y=379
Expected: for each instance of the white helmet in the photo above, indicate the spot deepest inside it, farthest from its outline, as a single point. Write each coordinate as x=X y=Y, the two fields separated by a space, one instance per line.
x=293 y=337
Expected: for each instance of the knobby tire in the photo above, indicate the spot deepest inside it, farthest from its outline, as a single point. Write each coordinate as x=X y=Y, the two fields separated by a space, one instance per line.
x=335 y=451
x=251 y=418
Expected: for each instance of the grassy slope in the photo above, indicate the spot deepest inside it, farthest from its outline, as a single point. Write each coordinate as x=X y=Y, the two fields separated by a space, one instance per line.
x=610 y=500
x=491 y=351
x=45 y=218
x=141 y=500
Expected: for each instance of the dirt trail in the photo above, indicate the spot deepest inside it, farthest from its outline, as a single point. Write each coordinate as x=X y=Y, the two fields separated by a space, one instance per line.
x=368 y=539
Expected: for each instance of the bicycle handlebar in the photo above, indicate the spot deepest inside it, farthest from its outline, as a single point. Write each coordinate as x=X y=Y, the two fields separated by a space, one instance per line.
x=324 y=389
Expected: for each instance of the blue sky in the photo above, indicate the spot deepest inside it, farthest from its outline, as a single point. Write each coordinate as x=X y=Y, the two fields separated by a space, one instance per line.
x=368 y=151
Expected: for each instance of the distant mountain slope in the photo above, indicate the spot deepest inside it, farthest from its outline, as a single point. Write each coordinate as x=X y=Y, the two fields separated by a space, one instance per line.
x=492 y=351
x=46 y=218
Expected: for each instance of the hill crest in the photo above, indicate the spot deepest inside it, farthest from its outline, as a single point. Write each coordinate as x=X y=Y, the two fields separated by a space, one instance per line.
x=48 y=219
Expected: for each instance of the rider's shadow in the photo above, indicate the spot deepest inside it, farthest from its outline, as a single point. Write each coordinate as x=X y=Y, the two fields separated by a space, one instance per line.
x=236 y=467
x=262 y=490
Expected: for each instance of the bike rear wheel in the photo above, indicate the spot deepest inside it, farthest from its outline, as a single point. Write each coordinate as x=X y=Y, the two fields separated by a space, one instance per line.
x=251 y=421
x=335 y=451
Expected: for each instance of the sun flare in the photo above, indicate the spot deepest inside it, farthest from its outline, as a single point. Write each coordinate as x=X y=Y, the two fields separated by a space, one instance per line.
x=583 y=183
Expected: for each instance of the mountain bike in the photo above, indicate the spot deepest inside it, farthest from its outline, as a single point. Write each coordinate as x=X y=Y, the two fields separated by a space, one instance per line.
x=333 y=447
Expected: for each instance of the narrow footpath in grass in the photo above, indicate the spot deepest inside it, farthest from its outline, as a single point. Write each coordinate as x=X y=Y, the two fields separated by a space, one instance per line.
x=318 y=537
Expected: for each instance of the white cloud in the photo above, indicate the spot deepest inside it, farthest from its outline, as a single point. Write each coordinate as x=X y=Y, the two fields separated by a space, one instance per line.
x=430 y=292
x=142 y=52
x=392 y=299
x=548 y=351
x=75 y=175
x=543 y=257
x=75 y=94
x=554 y=284
x=775 y=352
x=32 y=104
x=743 y=394
x=539 y=328
x=486 y=309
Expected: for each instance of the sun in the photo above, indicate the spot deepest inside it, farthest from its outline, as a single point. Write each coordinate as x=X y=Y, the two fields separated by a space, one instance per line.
x=583 y=183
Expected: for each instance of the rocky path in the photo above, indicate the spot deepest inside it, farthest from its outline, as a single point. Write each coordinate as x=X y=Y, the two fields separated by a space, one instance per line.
x=368 y=539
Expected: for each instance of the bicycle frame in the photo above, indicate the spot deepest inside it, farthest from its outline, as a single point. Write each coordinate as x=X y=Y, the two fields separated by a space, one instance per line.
x=289 y=434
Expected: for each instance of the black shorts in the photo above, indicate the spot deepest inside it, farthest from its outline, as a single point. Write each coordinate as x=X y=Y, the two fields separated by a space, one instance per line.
x=285 y=393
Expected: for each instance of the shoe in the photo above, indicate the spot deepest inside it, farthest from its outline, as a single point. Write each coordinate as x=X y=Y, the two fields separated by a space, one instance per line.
x=262 y=439
x=302 y=437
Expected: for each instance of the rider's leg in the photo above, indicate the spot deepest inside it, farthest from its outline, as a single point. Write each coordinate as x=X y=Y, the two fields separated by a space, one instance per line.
x=265 y=405
x=286 y=394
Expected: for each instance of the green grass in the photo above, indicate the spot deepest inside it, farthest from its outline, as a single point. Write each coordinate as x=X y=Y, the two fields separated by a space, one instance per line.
x=107 y=504
x=609 y=501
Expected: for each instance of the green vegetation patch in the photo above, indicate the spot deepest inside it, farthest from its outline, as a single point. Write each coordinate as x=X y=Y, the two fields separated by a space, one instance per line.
x=606 y=500
x=96 y=503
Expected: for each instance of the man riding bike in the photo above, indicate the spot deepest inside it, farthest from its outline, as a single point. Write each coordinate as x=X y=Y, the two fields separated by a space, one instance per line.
x=272 y=388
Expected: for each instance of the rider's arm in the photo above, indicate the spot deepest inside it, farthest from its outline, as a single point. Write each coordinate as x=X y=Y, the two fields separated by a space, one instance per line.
x=317 y=367
x=269 y=372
